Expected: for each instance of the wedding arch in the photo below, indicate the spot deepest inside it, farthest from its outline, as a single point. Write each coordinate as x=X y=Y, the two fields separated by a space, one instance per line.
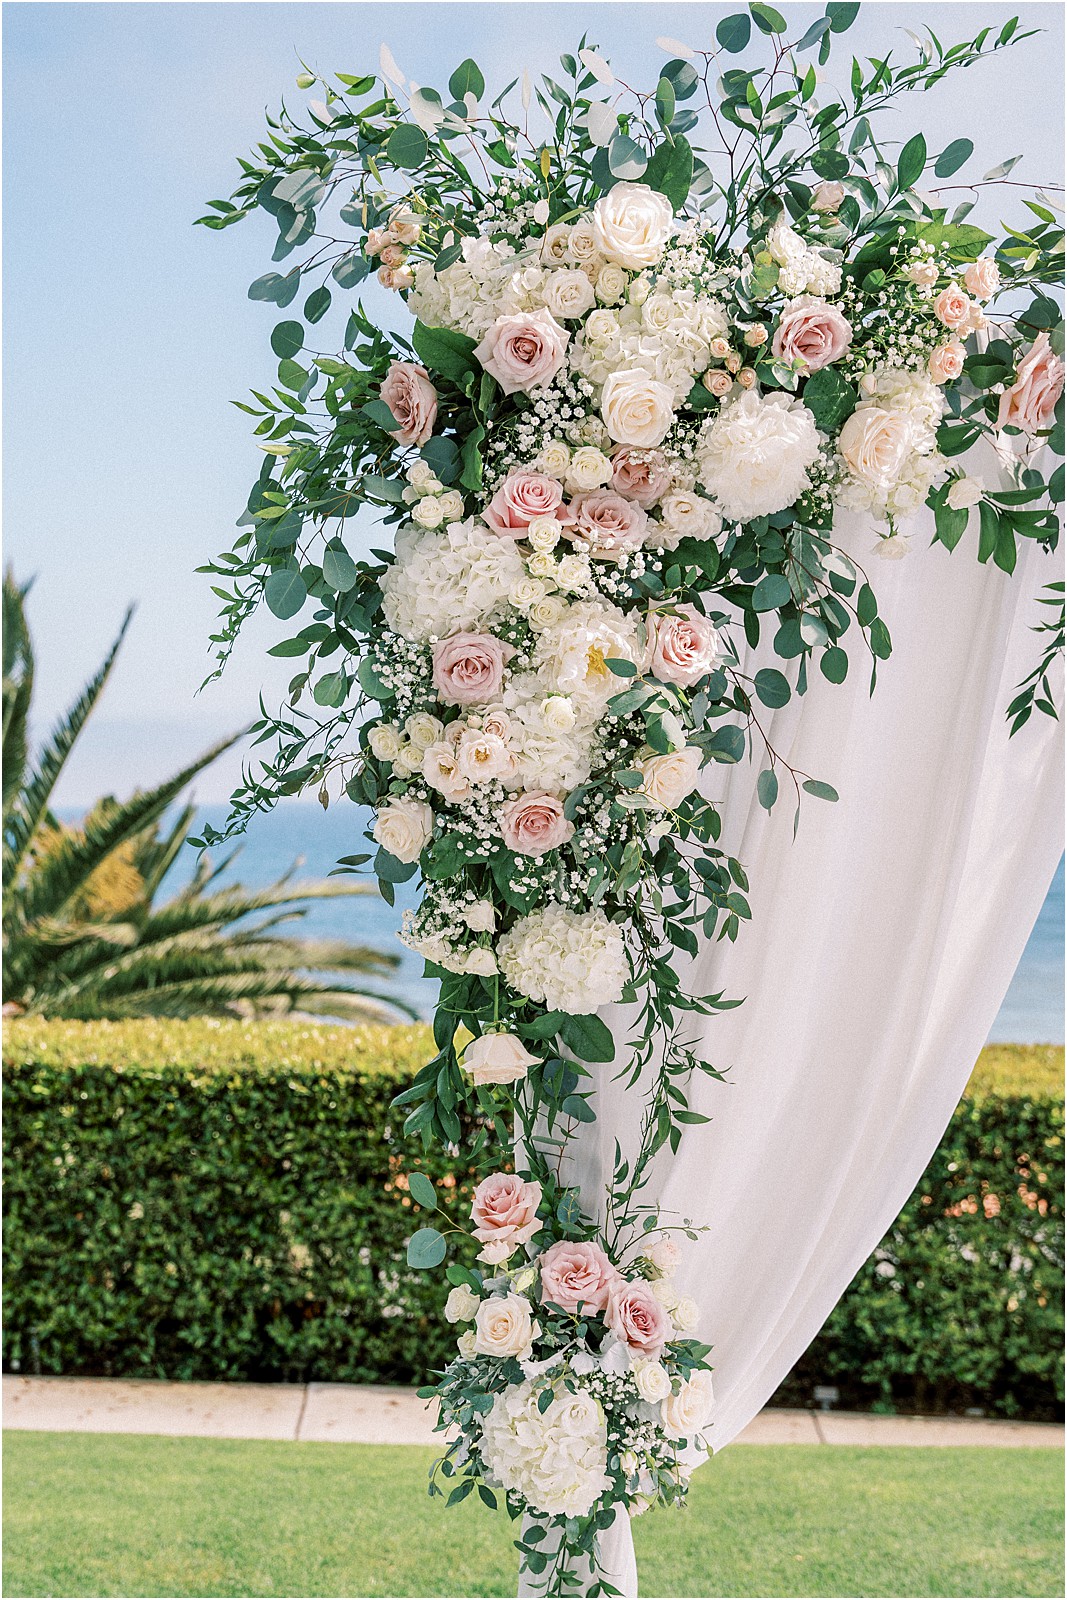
x=681 y=364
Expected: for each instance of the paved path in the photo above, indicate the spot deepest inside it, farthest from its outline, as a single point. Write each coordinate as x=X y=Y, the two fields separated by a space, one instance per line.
x=347 y=1413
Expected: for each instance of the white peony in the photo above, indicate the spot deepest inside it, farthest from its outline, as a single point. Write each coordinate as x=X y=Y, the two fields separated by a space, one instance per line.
x=631 y=225
x=571 y=961
x=453 y=581
x=404 y=828
x=754 y=457
x=555 y=1459
x=571 y=654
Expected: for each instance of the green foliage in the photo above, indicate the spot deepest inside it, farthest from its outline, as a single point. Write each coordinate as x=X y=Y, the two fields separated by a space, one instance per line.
x=85 y=934
x=223 y=1200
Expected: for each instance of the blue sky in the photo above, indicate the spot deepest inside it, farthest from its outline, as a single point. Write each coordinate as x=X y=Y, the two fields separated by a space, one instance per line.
x=129 y=331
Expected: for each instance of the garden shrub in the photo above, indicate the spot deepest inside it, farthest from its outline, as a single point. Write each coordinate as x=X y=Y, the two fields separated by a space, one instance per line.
x=226 y=1200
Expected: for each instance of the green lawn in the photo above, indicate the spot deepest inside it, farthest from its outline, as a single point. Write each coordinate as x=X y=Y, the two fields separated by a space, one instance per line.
x=93 y=1515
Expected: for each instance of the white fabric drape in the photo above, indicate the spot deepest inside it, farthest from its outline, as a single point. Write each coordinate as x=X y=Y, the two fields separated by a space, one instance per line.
x=882 y=942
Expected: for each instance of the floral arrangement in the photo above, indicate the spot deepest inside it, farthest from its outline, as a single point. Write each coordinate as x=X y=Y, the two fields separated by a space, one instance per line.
x=644 y=378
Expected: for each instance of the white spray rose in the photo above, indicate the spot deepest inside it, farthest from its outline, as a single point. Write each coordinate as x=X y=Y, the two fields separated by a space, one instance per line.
x=668 y=779
x=462 y=1304
x=685 y=1315
x=467 y=1343
x=611 y=283
x=428 y=512
x=385 y=742
x=497 y=1058
x=480 y=962
x=553 y=459
x=480 y=917
x=686 y=1413
x=558 y=713
x=451 y=505
x=589 y=469
x=543 y=533
x=404 y=828
x=568 y=293
x=637 y=409
x=424 y=730
x=964 y=493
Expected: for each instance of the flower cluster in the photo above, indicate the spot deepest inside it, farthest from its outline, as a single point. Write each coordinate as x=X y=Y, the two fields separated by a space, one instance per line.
x=577 y=1385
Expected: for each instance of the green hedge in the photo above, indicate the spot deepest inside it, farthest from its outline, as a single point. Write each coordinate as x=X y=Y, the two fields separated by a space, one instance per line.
x=221 y=1200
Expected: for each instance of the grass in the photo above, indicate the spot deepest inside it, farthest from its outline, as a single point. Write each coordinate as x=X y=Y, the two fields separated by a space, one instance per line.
x=1018 y=1069
x=119 y=1515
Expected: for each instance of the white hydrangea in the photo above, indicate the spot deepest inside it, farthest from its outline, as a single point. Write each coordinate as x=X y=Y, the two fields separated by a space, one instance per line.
x=452 y=580
x=754 y=456
x=556 y=1459
x=470 y=294
x=549 y=756
x=572 y=653
x=668 y=336
x=801 y=269
x=571 y=961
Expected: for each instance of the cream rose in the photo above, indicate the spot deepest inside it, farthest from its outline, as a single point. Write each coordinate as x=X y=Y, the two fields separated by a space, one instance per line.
x=385 y=742
x=412 y=399
x=504 y=1327
x=952 y=306
x=685 y=1315
x=568 y=294
x=686 y=1413
x=497 y=1058
x=1030 y=403
x=589 y=468
x=533 y=823
x=668 y=779
x=554 y=458
x=982 y=278
x=637 y=409
x=523 y=351
x=653 y=1381
x=480 y=961
x=875 y=445
x=631 y=225
x=404 y=828
x=462 y=1304
x=610 y=284
x=554 y=244
x=683 y=645
x=424 y=730
x=558 y=713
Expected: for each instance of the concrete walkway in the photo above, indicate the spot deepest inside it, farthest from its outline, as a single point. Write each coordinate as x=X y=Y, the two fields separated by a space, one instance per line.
x=346 y=1413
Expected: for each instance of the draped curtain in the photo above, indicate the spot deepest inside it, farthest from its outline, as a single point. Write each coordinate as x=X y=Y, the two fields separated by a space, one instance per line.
x=882 y=941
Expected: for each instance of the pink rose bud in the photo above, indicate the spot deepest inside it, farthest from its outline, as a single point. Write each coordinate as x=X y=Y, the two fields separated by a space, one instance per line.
x=718 y=383
x=533 y=824
x=412 y=399
x=1030 y=403
x=811 y=333
x=747 y=377
x=392 y=256
x=468 y=668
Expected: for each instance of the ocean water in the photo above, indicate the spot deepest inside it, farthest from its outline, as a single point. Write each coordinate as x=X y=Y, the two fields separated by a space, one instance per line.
x=1032 y=1013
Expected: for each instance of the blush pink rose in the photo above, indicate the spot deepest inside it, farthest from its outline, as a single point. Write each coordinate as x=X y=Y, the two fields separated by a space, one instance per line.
x=533 y=823
x=683 y=645
x=577 y=1275
x=952 y=307
x=641 y=475
x=637 y=1317
x=982 y=278
x=523 y=351
x=504 y=1213
x=521 y=497
x=607 y=524
x=468 y=668
x=946 y=362
x=1030 y=403
x=812 y=332
x=412 y=399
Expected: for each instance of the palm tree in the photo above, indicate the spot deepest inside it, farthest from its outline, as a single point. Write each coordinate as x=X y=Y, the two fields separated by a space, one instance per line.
x=83 y=934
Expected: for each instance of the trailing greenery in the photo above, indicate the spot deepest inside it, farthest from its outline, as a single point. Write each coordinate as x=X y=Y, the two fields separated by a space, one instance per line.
x=215 y=1199
x=85 y=934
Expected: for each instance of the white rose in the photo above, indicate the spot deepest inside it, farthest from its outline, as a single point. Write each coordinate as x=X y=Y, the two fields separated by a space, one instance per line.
x=504 y=1327
x=637 y=409
x=686 y=1413
x=582 y=247
x=543 y=534
x=665 y=1293
x=558 y=713
x=404 y=828
x=631 y=224
x=664 y=1254
x=421 y=474
x=639 y=291
x=542 y=565
x=467 y=1344
x=525 y=594
x=962 y=494
x=554 y=244
x=385 y=742
x=427 y=512
x=462 y=1304
x=668 y=779
x=653 y=1381
x=568 y=293
x=547 y=612
x=573 y=572
x=658 y=312
x=480 y=917
x=611 y=283
x=480 y=962
x=876 y=444
x=408 y=760
x=524 y=1278
x=553 y=459
x=424 y=730
x=589 y=468
x=451 y=505
x=601 y=327
x=497 y=1058
x=685 y=1315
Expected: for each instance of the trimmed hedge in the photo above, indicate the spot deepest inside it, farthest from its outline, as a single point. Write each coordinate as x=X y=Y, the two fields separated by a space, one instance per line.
x=225 y=1200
